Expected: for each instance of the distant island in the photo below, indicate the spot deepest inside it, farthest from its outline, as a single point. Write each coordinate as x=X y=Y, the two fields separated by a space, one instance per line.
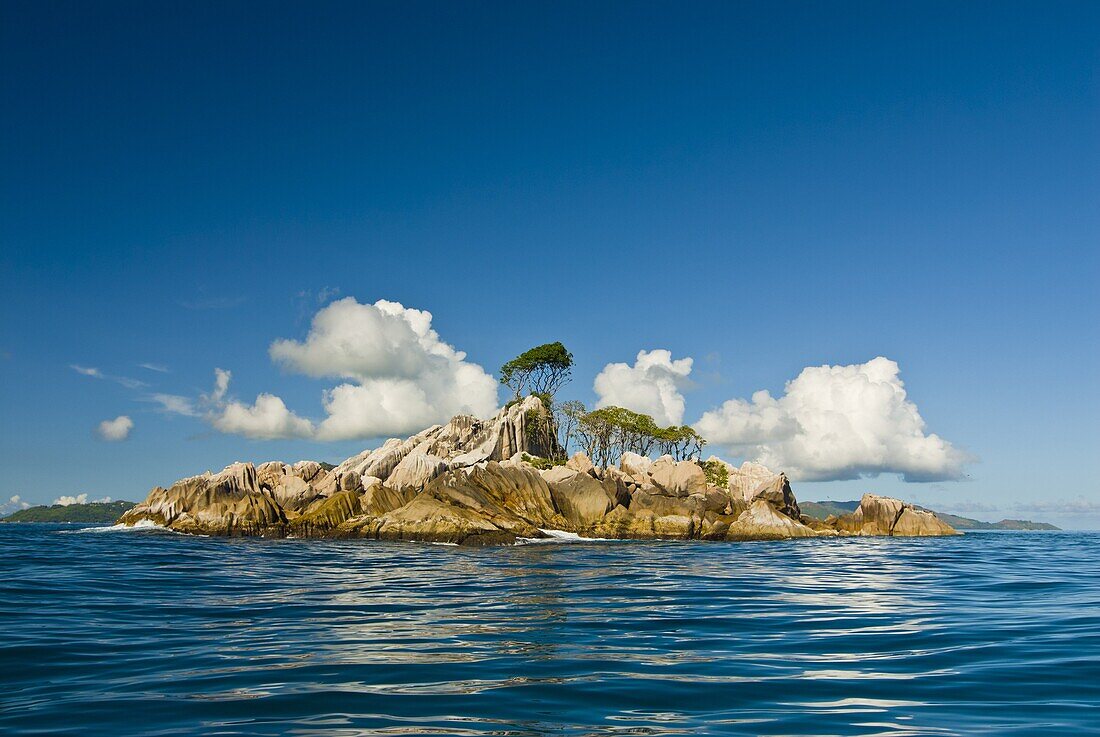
x=88 y=513
x=823 y=509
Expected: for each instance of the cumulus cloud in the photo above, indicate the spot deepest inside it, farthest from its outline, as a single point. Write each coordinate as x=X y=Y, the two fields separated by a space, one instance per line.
x=836 y=422
x=115 y=430
x=14 y=503
x=266 y=419
x=66 y=501
x=652 y=385
x=403 y=376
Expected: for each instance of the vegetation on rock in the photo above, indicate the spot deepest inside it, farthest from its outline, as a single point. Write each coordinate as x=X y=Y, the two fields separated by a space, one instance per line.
x=540 y=370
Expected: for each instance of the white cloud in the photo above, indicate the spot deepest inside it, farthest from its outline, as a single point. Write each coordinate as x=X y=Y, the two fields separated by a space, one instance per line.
x=160 y=368
x=66 y=501
x=651 y=386
x=267 y=419
x=404 y=377
x=87 y=371
x=95 y=373
x=116 y=429
x=836 y=422
x=175 y=404
x=14 y=503
x=221 y=385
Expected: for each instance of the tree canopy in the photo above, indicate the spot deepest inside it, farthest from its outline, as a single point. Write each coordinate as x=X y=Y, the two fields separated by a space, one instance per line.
x=541 y=370
x=606 y=433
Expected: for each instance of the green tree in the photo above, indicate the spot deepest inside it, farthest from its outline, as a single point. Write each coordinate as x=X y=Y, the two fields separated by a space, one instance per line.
x=541 y=370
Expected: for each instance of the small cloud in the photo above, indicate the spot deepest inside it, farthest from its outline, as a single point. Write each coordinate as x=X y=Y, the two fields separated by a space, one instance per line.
x=115 y=430
x=267 y=419
x=95 y=373
x=66 y=501
x=160 y=368
x=174 y=404
x=87 y=371
x=221 y=386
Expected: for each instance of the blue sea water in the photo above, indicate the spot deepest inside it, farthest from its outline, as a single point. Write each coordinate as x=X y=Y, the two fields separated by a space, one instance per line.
x=152 y=633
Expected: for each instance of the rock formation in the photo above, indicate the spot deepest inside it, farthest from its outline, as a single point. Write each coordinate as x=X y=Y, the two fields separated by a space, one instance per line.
x=470 y=482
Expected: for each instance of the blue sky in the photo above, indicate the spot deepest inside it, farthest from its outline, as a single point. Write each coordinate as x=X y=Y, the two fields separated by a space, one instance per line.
x=760 y=187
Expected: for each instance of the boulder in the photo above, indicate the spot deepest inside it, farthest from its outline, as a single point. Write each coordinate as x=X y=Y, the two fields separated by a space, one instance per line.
x=581 y=499
x=351 y=481
x=480 y=505
x=679 y=478
x=326 y=514
x=558 y=474
x=636 y=465
x=881 y=515
x=581 y=463
x=919 y=522
x=777 y=492
x=415 y=471
x=309 y=471
x=292 y=493
x=270 y=474
x=747 y=478
x=761 y=521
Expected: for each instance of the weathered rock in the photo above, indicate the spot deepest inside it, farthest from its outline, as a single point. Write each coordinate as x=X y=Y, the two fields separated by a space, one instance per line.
x=581 y=499
x=644 y=524
x=747 y=478
x=919 y=522
x=415 y=471
x=227 y=503
x=777 y=492
x=378 y=500
x=633 y=464
x=292 y=493
x=270 y=474
x=309 y=471
x=481 y=505
x=558 y=474
x=761 y=521
x=581 y=463
x=325 y=515
x=679 y=478
x=875 y=515
x=351 y=481
x=880 y=515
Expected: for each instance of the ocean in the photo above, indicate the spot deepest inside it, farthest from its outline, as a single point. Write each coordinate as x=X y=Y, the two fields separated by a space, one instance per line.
x=108 y=632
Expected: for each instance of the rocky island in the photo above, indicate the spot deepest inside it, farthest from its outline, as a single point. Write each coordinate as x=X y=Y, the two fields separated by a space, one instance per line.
x=484 y=482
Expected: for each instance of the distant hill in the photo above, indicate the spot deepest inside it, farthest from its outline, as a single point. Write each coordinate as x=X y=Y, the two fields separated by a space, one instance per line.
x=92 y=512
x=823 y=509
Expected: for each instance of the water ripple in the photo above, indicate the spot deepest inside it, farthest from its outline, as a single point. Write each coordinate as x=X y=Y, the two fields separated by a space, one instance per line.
x=152 y=633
